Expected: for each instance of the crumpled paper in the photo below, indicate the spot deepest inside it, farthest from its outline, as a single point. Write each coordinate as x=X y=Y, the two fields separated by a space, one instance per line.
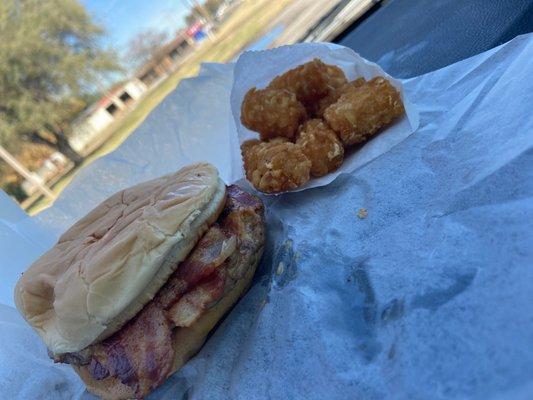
x=428 y=296
x=258 y=68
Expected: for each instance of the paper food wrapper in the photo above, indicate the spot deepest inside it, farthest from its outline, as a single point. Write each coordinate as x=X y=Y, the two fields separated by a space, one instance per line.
x=258 y=68
x=427 y=296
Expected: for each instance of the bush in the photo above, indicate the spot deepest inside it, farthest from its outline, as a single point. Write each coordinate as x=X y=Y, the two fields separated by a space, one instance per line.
x=15 y=190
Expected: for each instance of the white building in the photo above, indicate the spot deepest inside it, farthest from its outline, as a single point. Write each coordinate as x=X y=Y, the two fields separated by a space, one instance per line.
x=88 y=127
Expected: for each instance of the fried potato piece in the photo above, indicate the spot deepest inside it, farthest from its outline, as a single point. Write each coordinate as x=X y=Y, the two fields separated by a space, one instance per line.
x=275 y=166
x=321 y=145
x=272 y=112
x=248 y=156
x=334 y=76
x=334 y=93
x=308 y=81
x=363 y=110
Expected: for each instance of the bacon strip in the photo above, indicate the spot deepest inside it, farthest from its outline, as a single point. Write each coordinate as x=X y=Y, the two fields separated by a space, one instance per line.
x=193 y=304
x=138 y=353
x=210 y=252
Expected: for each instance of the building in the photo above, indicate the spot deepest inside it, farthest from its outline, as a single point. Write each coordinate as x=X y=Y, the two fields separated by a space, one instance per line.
x=88 y=128
x=99 y=116
x=166 y=60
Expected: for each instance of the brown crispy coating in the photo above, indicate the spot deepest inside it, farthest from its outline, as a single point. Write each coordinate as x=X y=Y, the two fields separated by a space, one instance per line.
x=334 y=76
x=272 y=112
x=334 y=94
x=308 y=81
x=321 y=145
x=336 y=81
x=248 y=144
x=363 y=110
x=318 y=108
x=248 y=156
x=275 y=166
x=352 y=85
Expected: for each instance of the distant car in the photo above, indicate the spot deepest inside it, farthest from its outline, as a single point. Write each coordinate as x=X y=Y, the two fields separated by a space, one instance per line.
x=53 y=167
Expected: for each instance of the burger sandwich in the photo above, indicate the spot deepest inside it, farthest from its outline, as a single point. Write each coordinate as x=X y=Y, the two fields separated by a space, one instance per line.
x=129 y=293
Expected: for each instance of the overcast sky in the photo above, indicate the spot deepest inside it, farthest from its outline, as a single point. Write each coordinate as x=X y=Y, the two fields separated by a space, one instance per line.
x=122 y=19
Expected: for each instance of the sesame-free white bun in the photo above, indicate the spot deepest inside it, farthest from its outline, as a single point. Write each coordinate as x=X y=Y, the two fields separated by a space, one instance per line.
x=113 y=261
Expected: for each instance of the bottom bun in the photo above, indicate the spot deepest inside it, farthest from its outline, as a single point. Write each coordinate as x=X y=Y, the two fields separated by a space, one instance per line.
x=185 y=341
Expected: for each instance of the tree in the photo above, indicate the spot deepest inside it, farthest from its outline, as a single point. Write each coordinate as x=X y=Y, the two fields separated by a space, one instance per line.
x=49 y=60
x=144 y=45
x=206 y=11
x=212 y=6
x=194 y=15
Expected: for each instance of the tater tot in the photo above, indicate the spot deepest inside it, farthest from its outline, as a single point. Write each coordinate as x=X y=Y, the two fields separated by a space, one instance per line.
x=250 y=153
x=248 y=156
x=356 y=83
x=275 y=166
x=272 y=112
x=334 y=76
x=364 y=109
x=321 y=145
x=308 y=81
x=336 y=83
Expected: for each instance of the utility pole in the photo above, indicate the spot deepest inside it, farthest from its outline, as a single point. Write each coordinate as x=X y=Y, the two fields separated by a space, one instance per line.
x=12 y=161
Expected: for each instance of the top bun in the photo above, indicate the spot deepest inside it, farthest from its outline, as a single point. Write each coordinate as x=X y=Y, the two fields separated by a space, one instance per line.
x=113 y=261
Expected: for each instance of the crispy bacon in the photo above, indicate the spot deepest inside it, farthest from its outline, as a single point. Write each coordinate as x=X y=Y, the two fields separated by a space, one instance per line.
x=193 y=303
x=210 y=252
x=140 y=354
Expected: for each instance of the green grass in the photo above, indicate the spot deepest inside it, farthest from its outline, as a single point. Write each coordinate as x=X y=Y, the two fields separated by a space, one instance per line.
x=249 y=21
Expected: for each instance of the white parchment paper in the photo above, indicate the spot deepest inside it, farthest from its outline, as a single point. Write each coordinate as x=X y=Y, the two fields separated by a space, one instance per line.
x=429 y=296
x=258 y=68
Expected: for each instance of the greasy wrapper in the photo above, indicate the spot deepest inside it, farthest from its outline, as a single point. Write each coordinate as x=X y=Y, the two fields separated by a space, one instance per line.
x=408 y=277
x=258 y=68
